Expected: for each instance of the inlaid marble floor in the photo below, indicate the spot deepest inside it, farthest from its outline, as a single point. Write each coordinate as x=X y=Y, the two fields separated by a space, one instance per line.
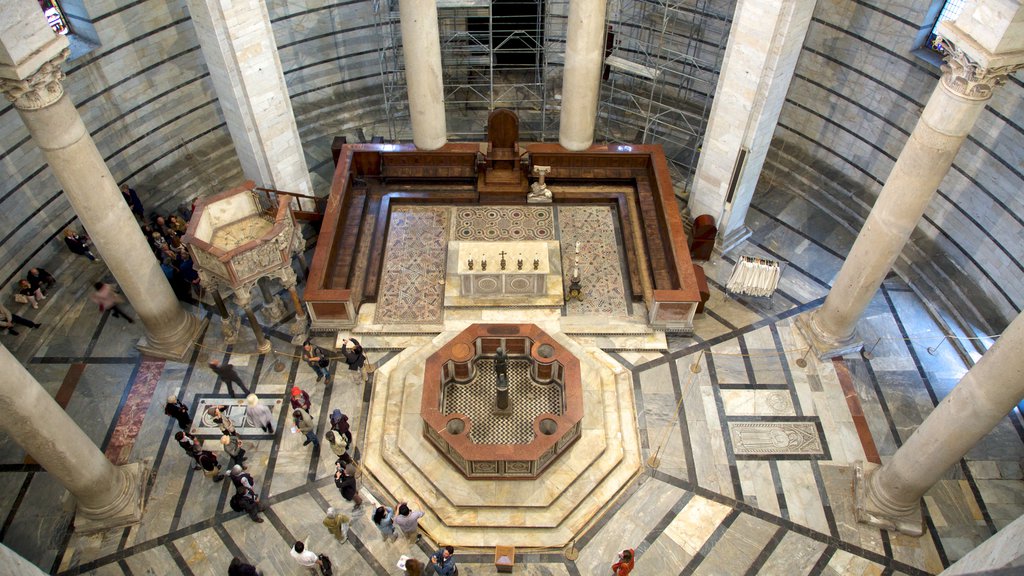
x=723 y=495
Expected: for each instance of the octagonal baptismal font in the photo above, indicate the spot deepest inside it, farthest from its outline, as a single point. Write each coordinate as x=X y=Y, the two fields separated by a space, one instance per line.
x=534 y=472
x=463 y=412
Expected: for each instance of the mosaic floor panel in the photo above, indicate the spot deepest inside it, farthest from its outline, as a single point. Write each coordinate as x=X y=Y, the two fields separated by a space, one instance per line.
x=594 y=228
x=494 y=223
x=412 y=283
x=527 y=398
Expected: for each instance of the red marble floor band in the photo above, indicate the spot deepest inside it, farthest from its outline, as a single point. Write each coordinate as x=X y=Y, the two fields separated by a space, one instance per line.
x=856 y=411
x=134 y=410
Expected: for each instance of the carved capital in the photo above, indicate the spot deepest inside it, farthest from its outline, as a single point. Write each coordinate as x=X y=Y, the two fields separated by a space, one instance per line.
x=40 y=89
x=963 y=76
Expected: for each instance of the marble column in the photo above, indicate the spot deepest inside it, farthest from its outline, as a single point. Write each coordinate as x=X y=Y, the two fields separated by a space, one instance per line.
x=581 y=75
x=31 y=77
x=421 y=45
x=764 y=43
x=237 y=41
x=889 y=496
x=106 y=495
x=980 y=54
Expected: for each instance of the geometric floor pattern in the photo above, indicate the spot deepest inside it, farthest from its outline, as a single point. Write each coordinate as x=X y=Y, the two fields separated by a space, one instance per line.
x=701 y=507
x=412 y=282
x=527 y=400
x=593 y=228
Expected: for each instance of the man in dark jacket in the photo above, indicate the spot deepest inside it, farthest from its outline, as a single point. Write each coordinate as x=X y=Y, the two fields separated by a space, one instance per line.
x=178 y=411
x=345 y=480
x=228 y=374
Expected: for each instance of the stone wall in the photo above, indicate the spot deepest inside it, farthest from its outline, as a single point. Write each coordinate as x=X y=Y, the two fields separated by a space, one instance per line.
x=857 y=94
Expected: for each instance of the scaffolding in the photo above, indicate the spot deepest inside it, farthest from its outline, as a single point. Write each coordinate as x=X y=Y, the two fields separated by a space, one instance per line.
x=662 y=63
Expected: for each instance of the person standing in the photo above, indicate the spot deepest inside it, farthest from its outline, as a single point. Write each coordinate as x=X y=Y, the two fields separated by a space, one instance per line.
x=29 y=295
x=233 y=448
x=191 y=445
x=355 y=357
x=222 y=420
x=107 y=299
x=132 y=199
x=345 y=480
x=227 y=373
x=246 y=500
x=317 y=359
x=339 y=423
x=625 y=564
x=339 y=448
x=305 y=557
x=41 y=280
x=211 y=467
x=241 y=479
x=383 y=518
x=78 y=244
x=240 y=568
x=305 y=424
x=408 y=521
x=337 y=524
x=300 y=399
x=259 y=414
x=413 y=567
x=8 y=319
x=442 y=562
x=178 y=411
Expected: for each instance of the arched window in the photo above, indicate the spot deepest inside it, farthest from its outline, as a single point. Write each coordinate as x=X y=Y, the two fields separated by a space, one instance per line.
x=69 y=18
x=55 y=16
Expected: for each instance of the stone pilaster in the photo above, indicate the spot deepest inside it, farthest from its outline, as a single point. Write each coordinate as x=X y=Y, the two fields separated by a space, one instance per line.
x=238 y=45
x=421 y=44
x=764 y=44
x=581 y=75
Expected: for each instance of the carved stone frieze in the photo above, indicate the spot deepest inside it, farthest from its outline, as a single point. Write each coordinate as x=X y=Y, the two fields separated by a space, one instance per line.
x=40 y=89
x=963 y=76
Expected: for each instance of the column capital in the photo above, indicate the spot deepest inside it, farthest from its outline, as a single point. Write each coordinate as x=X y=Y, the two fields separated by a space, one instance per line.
x=964 y=75
x=41 y=88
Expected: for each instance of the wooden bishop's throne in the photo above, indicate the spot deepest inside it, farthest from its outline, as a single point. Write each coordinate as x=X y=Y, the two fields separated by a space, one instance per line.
x=500 y=176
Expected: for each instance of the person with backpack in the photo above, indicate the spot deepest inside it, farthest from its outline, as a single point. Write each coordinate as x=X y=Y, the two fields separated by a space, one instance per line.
x=317 y=359
x=246 y=500
x=211 y=467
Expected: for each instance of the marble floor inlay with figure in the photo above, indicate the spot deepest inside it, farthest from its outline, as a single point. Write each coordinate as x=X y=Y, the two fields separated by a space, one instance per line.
x=748 y=443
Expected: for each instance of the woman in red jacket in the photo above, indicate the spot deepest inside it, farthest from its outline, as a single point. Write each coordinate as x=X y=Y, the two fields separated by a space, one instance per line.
x=625 y=564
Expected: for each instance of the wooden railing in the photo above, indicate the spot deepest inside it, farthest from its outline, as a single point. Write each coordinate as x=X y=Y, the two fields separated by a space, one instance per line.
x=304 y=206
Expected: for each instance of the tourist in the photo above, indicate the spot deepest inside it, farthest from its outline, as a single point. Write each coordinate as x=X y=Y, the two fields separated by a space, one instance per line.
x=239 y=568
x=223 y=421
x=8 y=319
x=383 y=518
x=337 y=524
x=132 y=199
x=227 y=373
x=78 y=244
x=233 y=448
x=211 y=467
x=304 y=423
x=29 y=295
x=345 y=480
x=304 y=557
x=625 y=564
x=339 y=448
x=339 y=423
x=106 y=298
x=190 y=444
x=246 y=500
x=40 y=280
x=317 y=359
x=408 y=521
x=259 y=414
x=354 y=357
x=442 y=562
x=178 y=411
x=300 y=399
x=413 y=567
x=241 y=479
